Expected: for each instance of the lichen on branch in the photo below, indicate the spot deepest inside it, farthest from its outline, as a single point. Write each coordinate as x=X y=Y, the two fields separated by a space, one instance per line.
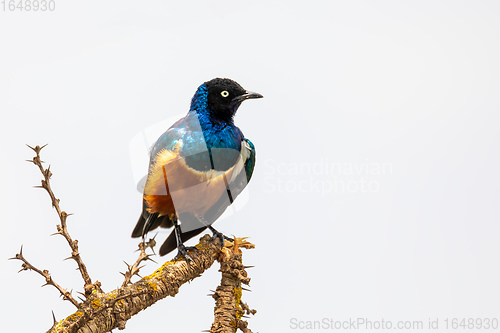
x=229 y=308
x=103 y=312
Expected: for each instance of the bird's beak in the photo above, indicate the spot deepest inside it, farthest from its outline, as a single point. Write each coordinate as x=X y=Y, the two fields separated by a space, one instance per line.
x=246 y=95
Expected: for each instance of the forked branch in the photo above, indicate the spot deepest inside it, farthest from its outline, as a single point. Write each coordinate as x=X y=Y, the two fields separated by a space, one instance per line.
x=143 y=256
x=66 y=295
x=103 y=312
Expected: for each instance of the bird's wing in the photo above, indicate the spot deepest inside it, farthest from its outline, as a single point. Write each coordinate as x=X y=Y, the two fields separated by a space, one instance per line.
x=167 y=141
x=167 y=166
x=184 y=175
x=237 y=183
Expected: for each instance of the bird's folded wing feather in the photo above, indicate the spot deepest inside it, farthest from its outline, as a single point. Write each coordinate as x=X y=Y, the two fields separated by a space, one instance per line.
x=173 y=183
x=238 y=183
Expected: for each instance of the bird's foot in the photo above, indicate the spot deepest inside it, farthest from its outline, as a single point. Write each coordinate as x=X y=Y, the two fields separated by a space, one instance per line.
x=182 y=251
x=219 y=235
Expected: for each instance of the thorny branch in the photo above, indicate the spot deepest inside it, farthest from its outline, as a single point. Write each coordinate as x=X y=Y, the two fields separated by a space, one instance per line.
x=62 y=228
x=229 y=309
x=106 y=311
x=102 y=312
x=48 y=278
x=143 y=256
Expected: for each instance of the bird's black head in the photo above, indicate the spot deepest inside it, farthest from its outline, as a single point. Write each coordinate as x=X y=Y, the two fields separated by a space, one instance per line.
x=223 y=97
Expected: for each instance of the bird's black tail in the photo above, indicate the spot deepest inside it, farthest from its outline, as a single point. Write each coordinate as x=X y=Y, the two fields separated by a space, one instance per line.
x=148 y=222
x=171 y=243
x=139 y=227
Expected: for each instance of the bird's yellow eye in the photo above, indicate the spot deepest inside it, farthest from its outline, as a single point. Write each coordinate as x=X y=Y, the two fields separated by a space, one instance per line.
x=225 y=93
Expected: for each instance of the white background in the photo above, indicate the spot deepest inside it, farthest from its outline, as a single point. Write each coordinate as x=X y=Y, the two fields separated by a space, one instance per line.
x=349 y=86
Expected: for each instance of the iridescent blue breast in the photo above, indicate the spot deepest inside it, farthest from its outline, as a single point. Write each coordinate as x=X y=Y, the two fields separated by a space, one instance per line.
x=215 y=146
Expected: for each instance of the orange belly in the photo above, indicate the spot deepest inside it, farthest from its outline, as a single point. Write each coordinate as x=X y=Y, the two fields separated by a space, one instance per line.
x=174 y=188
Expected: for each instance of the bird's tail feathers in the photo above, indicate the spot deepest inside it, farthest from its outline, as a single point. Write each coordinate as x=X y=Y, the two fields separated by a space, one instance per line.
x=148 y=222
x=139 y=227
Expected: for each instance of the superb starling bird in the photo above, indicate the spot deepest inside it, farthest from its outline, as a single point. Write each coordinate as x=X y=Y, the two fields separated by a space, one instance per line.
x=197 y=167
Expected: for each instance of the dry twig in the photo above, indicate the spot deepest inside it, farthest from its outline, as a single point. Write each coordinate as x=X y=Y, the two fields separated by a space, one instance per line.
x=102 y=312
x=48 y=278
x=143 y=256
x=62 y=228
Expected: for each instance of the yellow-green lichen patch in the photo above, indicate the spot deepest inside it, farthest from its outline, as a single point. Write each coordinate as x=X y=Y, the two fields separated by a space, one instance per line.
x=95 y=304
x=200 y=246
x=237 y=292
x=152 y=285
x=159 y=271
x=72 y=318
